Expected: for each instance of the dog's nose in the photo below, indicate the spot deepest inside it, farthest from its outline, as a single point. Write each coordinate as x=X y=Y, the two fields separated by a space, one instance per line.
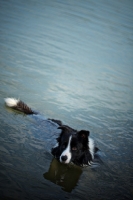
x=64 y=158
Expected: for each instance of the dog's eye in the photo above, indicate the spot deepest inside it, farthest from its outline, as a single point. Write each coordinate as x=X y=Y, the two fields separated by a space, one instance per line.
x=74 y=148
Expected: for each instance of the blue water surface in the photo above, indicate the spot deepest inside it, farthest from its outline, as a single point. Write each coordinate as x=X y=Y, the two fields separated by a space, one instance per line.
x=69 y=60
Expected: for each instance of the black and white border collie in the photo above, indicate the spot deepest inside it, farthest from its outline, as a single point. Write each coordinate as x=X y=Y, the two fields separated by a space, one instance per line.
x=72 y=146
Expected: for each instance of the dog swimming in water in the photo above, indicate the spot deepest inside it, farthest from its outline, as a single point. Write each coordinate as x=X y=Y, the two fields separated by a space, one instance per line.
x=72 y=146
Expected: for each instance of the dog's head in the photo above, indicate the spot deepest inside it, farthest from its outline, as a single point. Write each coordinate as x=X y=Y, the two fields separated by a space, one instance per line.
x=73 y=146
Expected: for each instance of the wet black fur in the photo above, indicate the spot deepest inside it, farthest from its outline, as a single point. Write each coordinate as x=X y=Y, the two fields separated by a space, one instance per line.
x=22 y=107
x=81 y=156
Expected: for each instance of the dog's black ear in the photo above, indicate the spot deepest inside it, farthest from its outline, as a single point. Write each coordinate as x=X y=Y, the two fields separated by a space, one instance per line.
x=83 y=134
x=64 y=130
x=83 y=137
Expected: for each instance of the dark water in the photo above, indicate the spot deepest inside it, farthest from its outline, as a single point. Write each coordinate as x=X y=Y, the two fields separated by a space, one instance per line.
x=73 y=61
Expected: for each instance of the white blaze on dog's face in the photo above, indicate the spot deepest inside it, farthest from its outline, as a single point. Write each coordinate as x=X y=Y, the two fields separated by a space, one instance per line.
x=66 y=154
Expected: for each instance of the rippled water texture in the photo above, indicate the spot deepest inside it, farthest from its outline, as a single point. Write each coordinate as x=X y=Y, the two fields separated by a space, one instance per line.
x=73 y=61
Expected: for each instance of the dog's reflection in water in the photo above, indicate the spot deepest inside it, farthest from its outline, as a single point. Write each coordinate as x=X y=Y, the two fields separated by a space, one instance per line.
x=63 y=175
